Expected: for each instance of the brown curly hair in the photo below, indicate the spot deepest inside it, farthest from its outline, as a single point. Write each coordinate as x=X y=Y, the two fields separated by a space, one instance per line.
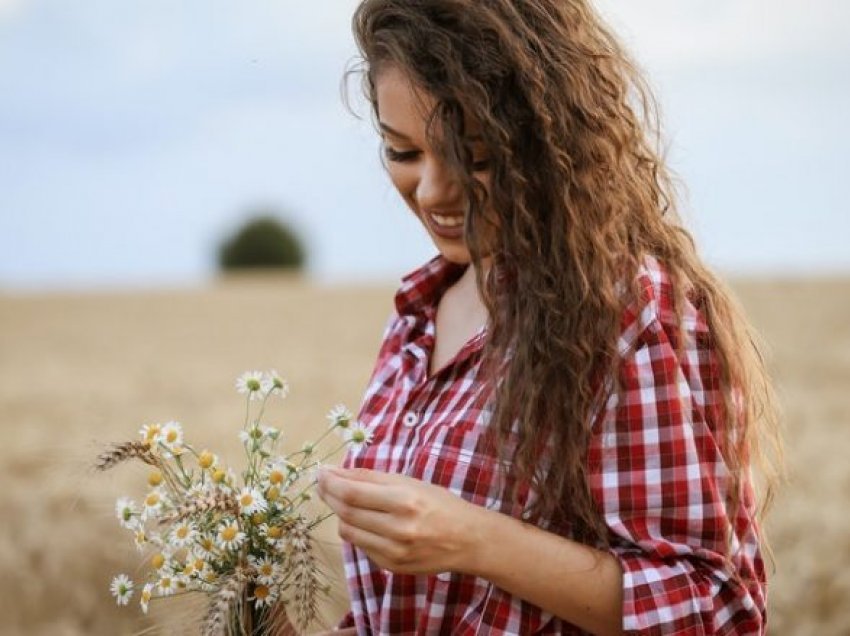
x=579 y=196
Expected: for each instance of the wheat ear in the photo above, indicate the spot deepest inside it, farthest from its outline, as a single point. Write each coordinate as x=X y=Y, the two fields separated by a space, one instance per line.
x=122 y=452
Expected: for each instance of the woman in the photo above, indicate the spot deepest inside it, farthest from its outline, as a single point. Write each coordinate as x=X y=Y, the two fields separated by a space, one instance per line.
x=566 y=403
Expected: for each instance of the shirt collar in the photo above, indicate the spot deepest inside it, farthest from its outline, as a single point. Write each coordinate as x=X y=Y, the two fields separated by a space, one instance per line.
x=422 y=288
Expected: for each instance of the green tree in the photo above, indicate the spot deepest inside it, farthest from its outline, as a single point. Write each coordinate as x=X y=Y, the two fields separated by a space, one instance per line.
x=263 y=242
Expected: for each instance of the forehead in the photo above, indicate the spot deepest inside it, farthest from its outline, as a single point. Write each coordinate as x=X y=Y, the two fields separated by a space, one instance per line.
x=401 y=104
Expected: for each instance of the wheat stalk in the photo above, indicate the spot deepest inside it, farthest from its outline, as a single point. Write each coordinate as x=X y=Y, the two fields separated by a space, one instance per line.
x=124 y=451
x=219 y=501
x=226 y=602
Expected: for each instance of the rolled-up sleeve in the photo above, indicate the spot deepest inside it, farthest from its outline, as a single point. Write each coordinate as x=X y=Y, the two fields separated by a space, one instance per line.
x=661 y=482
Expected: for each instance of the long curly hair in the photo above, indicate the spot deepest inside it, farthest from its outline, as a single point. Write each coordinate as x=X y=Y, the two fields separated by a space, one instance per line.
x=579 y=196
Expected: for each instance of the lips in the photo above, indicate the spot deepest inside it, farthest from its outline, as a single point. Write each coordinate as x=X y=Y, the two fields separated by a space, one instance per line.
x=445 y=224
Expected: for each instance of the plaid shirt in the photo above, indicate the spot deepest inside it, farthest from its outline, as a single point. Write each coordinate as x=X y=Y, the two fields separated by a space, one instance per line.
x=656 y=474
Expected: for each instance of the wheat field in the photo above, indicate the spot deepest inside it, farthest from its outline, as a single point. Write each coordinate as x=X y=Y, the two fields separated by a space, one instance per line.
x=79 y=371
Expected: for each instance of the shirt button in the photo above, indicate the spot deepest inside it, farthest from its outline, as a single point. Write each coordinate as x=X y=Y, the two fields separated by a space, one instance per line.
x=410 y=419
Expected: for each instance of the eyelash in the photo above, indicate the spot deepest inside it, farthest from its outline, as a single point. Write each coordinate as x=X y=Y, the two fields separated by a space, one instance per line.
x=411 y=155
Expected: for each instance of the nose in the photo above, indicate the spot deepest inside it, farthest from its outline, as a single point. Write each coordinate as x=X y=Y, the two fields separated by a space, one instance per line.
x=437 y=187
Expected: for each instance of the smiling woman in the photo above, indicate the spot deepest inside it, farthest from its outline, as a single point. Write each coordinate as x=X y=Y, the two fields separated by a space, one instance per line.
x=567 y=404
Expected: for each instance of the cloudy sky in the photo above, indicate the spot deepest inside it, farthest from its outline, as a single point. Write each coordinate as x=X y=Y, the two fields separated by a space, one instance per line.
x=135 y=135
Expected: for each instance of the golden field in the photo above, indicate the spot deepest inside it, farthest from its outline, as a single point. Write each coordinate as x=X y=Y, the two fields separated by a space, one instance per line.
x=78 y=371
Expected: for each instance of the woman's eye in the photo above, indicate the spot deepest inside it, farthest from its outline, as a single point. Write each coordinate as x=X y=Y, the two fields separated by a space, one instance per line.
x=400 y=156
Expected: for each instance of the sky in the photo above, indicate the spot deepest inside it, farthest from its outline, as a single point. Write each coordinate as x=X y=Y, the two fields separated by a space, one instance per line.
x=136 y=135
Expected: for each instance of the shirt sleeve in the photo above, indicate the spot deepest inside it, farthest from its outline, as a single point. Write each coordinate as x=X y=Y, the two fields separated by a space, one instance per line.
x=662 y=485
x=346 y=621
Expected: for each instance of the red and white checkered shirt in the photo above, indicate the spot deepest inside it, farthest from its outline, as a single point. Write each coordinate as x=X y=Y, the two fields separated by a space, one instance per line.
x=656 y=474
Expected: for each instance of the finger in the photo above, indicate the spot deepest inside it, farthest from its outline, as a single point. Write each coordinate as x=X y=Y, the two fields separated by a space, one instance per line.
x=378 y=523
x=379 y=548
x=362 y=494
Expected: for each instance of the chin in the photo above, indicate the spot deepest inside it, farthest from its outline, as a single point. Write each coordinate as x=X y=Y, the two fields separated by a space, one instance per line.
x=457 y=254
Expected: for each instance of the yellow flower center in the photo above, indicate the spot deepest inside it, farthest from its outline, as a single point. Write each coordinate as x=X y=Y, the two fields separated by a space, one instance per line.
x=182 y=532
x=199 y=564
x=207 y=544
x=152 y=499
x=261 y=592
x=155 y=478
x=257 y=518
x=165 y=582
x=275 y=532
x=205 y=459
x=229 y=533
x=266 y=569
x=146 y=595
x=219 y=476
x=153 y=431
x=157 y=561
x=171 y=437
x=246 y=500
x=276 y=477
x=273 y=493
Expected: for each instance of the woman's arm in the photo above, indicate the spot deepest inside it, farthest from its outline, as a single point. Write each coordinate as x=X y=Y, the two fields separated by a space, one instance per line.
x=407 y=525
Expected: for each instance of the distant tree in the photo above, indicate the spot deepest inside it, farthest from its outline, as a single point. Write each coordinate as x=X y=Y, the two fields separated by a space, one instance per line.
x=263 y=242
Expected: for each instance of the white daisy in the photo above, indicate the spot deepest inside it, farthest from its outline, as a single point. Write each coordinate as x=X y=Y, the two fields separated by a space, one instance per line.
x=171 y=436
x=263 y=596
x=252 y=436
x=145 y=597
x=358 y=436
x=207 y=460
x=121 y=588
x=271 y=432
x=148 y=432
x=183 y=534
x=166 y=586
x=229 y=536
x=125 y=510
x=339 y=416
x=273 y=384
x=251 y=500
x=155 y=501
x=268 y=571
x=250 y=383
x=205 y=545
x=273 y=534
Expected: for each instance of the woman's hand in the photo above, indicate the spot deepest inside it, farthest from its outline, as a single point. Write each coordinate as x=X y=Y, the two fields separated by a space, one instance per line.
x=405 y=525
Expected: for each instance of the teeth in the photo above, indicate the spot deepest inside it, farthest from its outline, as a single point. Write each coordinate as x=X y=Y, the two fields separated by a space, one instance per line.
x=448 y=221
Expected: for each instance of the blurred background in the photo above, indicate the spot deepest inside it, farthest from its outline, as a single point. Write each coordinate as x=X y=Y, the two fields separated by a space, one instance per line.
x=137 y=139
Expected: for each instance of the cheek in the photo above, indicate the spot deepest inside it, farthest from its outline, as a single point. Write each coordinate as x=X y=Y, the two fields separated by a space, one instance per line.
x=404 y=180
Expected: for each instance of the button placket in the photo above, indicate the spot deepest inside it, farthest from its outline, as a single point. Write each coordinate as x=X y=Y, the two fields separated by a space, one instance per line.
x=410 y=419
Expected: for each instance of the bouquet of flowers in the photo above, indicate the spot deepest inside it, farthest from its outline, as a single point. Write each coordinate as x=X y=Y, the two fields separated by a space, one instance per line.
x=245 y=541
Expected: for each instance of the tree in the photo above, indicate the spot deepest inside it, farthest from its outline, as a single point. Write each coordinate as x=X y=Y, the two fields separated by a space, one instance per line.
x=263 y=242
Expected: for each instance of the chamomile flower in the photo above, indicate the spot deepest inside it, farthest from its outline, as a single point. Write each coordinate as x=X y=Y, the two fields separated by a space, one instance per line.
x=229 y=536
x=183 y=534
x=270 y=432
x=122 y=589
x=267 y=570
x=251 y=500
x=207 y=460
x=148 y=433
x=340 y=417
x=273 y=384
x=273 y=535
x=154 y=503
x=166 y=586
x=125 y=510
x=145 y=596
x=263 y=596
x=205 y=545
x=250 y=383
x=252 y=436
x=357 y=436
x=140 y=538
x=171 y=437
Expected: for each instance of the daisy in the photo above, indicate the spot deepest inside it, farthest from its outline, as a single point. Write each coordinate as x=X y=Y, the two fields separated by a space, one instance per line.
x=121 y=588
x=253 y=434
x=145 y=597
x=154 y=503
x=205 y=545
x=148 y=432
x=339 y=416
x=183 y=534
x=125 y=510
x=270 y=432
x=207 y=460
x=358 y=436
x=166 y=586
x=273 y=535
x=267 y=570
x=251 y=500
x=273 y=384
x=250 y=383
x=140 y=538
x=171 y=437
x=230 y=537
x=263 y=596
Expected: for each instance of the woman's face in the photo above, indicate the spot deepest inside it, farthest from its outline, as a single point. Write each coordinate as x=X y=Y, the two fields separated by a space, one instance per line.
x=422 y=178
